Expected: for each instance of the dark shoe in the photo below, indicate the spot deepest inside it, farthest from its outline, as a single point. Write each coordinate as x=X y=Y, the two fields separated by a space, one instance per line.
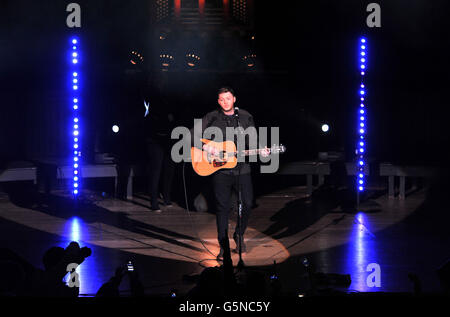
x=236 y=240
x=156 y=209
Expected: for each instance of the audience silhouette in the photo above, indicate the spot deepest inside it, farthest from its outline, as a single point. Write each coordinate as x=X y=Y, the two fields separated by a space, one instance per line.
x=19 y=278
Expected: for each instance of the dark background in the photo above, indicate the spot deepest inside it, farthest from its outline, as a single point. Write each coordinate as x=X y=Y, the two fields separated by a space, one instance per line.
x=307 y=74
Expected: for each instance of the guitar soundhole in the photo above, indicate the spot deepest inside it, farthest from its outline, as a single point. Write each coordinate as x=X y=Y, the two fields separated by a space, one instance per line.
x=218 y=163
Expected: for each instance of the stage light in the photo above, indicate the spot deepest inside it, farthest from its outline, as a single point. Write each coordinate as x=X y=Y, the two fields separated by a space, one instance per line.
x=74 y=71
x=325 y=127
x=192 y=60
x=136 y=58
x=115 y=128
x=249 y=60
x=166 y=60
x=362 y=117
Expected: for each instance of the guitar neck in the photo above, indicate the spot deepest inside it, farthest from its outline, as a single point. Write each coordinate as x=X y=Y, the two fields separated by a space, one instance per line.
x=250 y=152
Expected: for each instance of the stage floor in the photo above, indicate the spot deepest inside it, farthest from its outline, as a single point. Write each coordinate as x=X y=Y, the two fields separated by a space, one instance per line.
x=402 y=237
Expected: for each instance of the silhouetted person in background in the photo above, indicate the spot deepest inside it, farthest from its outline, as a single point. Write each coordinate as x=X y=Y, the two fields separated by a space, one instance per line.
x=56 y=260
x=111 y=288
x=19 y=278
x=158 y=127
x=12 y=278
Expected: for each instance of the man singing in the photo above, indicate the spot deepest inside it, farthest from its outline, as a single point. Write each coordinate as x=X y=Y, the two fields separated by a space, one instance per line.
x=226 y=180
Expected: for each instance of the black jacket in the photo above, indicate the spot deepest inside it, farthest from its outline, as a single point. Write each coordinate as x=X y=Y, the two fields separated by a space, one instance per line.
x=218 y=119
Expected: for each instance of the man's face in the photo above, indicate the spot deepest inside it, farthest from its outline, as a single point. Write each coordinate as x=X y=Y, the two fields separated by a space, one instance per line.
x=226 y=101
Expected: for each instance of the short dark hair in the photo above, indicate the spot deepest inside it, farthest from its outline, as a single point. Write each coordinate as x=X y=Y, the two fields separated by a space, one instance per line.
x=223 y=90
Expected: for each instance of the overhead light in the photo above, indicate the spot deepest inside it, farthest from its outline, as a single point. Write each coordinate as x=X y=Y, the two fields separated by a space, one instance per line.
x=166 y=60
x=192 y=59
x=249 y=60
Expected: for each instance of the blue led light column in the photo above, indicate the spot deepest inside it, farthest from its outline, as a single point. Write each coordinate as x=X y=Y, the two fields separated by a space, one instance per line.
x=75 y=104
x=362 y=126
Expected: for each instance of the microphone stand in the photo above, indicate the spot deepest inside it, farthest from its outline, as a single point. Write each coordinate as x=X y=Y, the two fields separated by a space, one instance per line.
x=240 y=265
x=240 y=237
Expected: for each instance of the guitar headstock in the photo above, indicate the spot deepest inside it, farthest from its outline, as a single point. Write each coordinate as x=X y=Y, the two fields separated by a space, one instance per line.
x=278 y=148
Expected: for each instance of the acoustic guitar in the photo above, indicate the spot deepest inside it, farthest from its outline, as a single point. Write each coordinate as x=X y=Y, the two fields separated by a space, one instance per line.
x=205 y=164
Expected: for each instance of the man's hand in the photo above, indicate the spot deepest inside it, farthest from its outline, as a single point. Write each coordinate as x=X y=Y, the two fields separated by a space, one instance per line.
x=265 y=152
x=210 y=149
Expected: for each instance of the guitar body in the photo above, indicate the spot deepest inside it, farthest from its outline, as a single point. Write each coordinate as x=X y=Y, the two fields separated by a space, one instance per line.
x=205 y=164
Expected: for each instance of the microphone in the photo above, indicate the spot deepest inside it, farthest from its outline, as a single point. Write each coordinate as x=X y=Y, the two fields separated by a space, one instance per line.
x=236 y=111
x=236 y=114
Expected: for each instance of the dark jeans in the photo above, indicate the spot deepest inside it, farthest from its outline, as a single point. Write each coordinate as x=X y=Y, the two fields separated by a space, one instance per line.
x=223 y=185
x=161 y=167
